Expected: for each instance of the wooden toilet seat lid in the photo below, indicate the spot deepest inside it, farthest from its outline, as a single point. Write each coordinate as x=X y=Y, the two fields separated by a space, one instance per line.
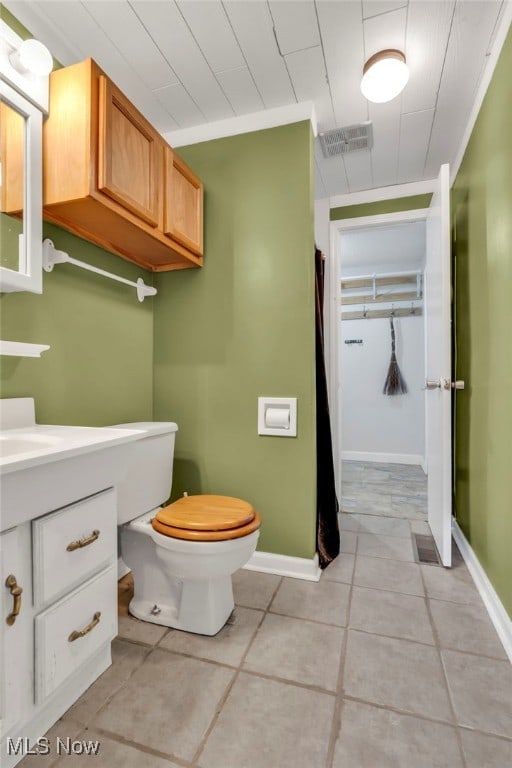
x=207 y=518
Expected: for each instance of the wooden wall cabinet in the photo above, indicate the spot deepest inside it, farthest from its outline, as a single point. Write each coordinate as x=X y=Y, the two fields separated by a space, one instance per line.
x=110 y=178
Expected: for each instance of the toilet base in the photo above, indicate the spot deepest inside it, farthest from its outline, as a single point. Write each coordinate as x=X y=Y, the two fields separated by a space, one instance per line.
x=182 y=584
x=202 y=607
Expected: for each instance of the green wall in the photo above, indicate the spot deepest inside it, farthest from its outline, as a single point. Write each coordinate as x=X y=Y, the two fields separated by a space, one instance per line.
x=243 y=326
x=412 y=203
x=13 y=22
x=99 y=368
x=482 y=216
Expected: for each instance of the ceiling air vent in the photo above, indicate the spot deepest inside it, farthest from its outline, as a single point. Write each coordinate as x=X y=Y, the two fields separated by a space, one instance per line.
x=350 y=138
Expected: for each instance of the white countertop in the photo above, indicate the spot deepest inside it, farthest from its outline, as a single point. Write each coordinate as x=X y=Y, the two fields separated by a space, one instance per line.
x=30 y=446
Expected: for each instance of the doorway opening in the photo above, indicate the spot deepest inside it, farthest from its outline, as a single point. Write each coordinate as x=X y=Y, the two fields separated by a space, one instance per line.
x=377 y=276
x=439 y=386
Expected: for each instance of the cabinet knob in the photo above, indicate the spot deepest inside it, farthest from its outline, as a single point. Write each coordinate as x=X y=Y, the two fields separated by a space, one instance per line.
x=15 y=591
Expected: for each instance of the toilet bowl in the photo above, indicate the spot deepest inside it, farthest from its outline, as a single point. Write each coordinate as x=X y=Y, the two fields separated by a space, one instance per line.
x=182 y=555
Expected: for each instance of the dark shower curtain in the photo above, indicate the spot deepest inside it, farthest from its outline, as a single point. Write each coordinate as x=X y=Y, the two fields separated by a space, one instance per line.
x=327 y=529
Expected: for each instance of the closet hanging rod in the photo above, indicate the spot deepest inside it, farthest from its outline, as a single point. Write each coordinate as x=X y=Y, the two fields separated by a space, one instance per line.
x=52 y=256
x=388 y=278
x=380 y=298
x=369 y=314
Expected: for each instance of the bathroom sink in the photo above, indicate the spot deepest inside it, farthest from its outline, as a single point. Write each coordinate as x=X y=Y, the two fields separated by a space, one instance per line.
x=42 y=443
x=13 y=443
x=45 y=467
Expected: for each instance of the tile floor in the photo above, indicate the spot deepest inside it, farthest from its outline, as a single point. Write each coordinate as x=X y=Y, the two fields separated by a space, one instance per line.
x=384 y=663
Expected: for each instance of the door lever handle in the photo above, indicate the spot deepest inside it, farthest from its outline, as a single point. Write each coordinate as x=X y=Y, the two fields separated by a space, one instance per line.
x=443 y=384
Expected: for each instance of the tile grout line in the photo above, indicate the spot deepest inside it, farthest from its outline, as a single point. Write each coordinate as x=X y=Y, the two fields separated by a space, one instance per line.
x=229 y=688
x=112 y=695
x=404 y=712
x=289 y=681
x=443 y=671
x=411 y=594
x=424 y=598
x=338 y=705
x=251 y=672
x=312 y=621
x=141 y=747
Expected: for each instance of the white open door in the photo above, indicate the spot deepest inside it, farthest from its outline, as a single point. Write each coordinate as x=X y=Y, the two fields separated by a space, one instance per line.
x=438 y=367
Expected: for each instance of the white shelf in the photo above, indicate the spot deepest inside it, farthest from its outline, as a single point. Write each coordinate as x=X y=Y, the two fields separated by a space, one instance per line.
x=20 y=349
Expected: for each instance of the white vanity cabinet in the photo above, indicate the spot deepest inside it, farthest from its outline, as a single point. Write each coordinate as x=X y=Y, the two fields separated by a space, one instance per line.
x=59 y=642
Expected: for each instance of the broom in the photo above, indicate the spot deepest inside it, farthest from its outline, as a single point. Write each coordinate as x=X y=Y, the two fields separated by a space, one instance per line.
x=394 y=384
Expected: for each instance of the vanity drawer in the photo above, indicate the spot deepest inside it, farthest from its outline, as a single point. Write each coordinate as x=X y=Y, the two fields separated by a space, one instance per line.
x=72 y=544
x=72 y=630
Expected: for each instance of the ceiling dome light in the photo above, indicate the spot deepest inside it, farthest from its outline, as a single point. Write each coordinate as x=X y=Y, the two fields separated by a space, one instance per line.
x=385 y=75
x=32 y=57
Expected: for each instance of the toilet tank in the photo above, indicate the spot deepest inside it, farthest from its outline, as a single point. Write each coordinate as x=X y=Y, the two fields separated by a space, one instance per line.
x=148 y=479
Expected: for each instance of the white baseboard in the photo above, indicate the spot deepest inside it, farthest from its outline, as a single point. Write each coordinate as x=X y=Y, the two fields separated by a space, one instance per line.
x=424 y=465
x=385 y=458
x=495 y=608
x=284 y=565
x=266 y=562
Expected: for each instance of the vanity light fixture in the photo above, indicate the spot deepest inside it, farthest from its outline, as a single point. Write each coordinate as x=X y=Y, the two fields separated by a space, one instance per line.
x=385 y=75
x=25 y=65
x=32 y=57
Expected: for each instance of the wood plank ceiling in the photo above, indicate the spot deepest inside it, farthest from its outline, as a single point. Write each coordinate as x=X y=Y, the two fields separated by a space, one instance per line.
x=195 y=61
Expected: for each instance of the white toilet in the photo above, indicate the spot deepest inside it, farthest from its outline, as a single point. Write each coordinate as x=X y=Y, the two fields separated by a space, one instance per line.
x=181 y=556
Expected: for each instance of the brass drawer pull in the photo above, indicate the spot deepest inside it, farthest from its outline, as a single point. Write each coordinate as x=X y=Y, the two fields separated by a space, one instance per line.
x=15 y=591
x=85 y=631
x=82 y=542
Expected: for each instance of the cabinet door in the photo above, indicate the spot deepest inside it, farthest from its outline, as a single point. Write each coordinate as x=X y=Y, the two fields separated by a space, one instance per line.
x=129 y=154
x=183 y=213
x=16 y=632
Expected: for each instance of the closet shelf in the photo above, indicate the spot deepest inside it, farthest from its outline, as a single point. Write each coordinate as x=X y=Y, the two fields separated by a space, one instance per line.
x=380 y=298
x=377 y=282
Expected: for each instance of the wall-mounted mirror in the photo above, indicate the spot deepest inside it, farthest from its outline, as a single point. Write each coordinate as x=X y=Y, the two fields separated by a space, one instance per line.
x=24 y=69
x=20 y=193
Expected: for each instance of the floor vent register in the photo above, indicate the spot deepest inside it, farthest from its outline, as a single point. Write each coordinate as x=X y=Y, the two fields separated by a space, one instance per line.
x=426 y=550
